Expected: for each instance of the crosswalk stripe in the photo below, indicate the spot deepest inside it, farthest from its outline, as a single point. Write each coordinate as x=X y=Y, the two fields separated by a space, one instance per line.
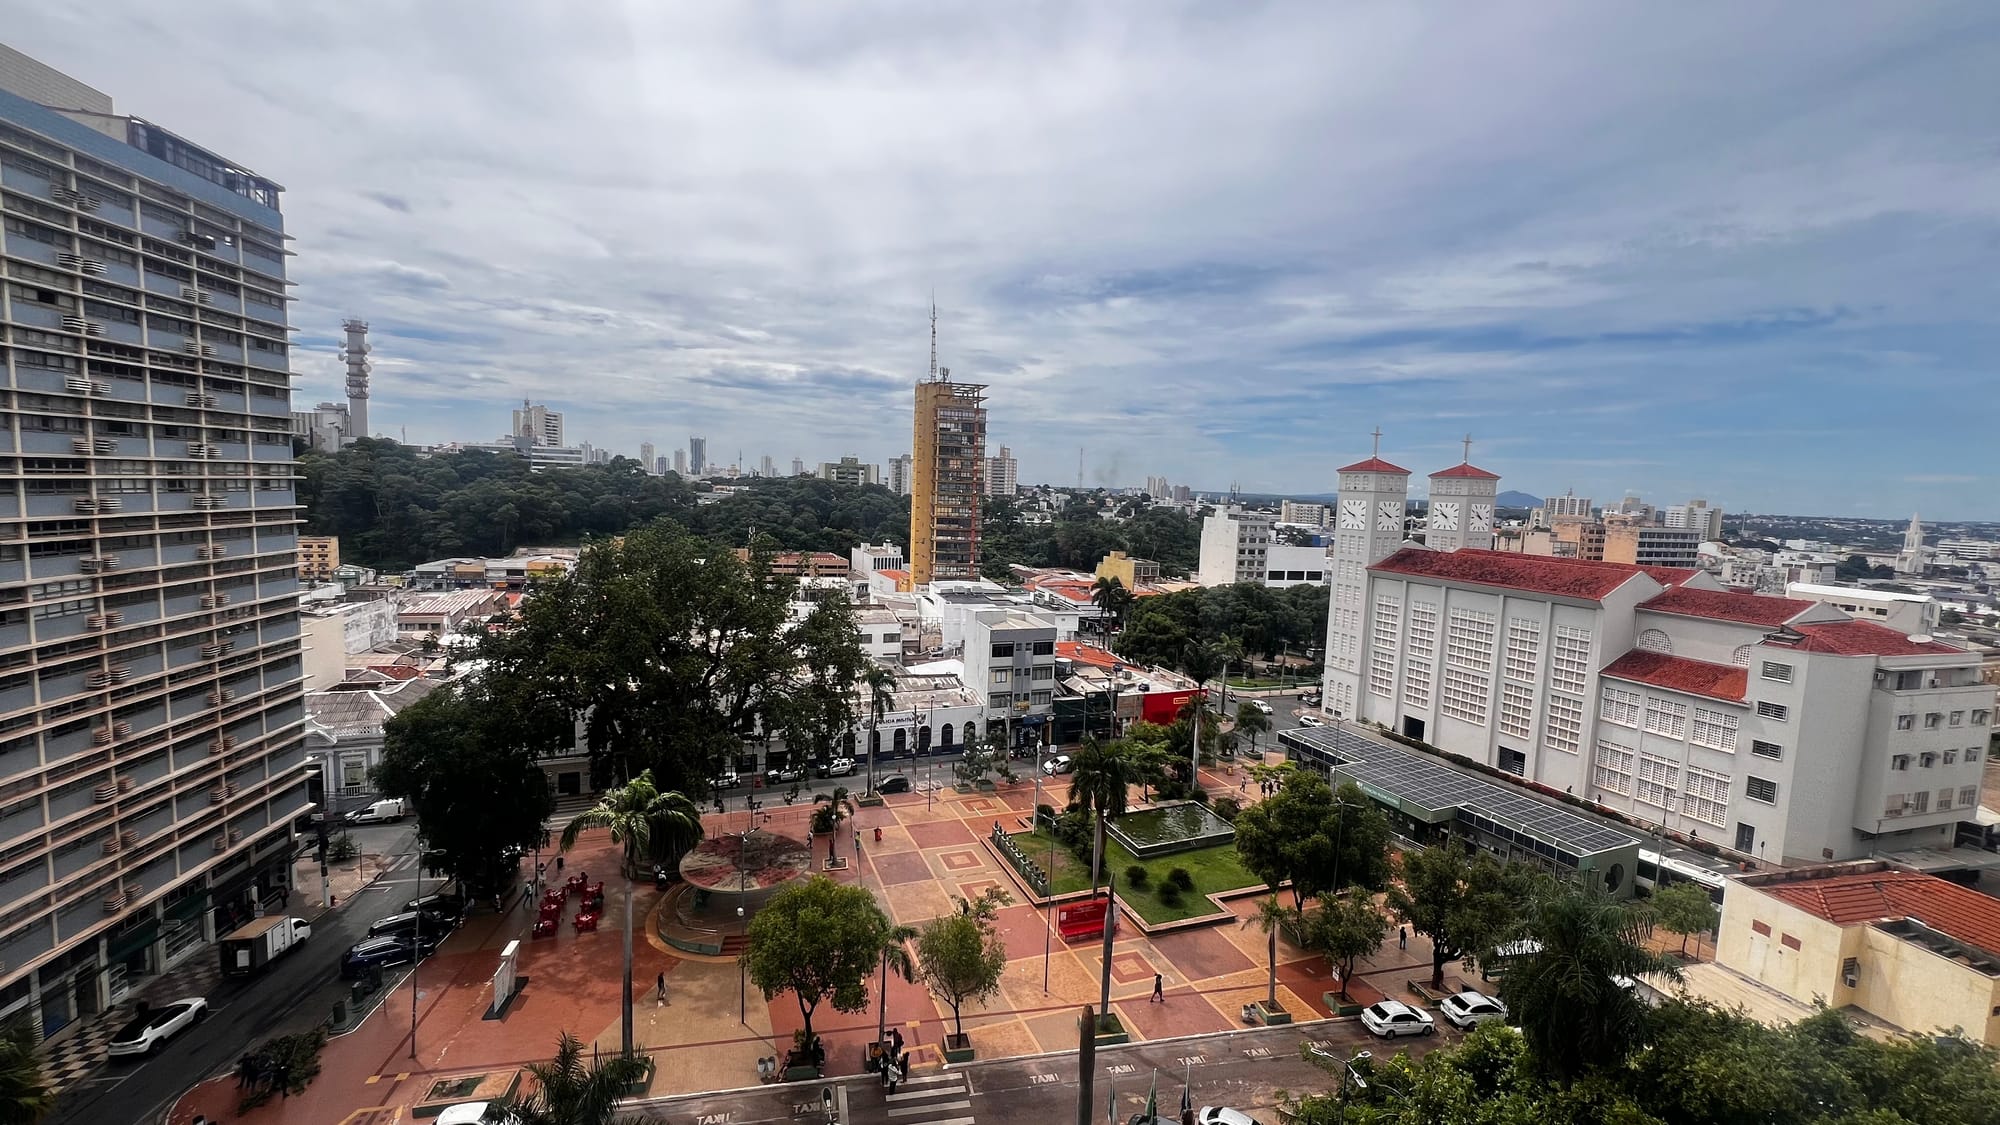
x=933 y=1079
x=912 y=1095
x=913 y=1110
x=945 y=1121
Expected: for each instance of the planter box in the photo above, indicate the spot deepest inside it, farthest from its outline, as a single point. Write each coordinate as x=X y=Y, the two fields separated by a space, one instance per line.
x=497 y=1085
x=958 y=1049
x=799 y=1073
x=1270 y=1015
x=1110 y=1032
x=870 y=801
x=1338 y=1006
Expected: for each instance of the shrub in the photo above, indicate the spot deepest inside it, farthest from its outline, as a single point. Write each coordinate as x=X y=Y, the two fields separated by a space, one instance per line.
x=294 y=1057
x=1135 y=876
x=1170 y=895
x=1227 y=808
x=1180 y=879
x=342 y=848
x=1201 y=796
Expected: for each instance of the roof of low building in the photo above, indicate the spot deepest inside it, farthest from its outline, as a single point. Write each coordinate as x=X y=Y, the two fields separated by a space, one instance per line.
x=1678 y=673
x=1865 y=638
x=358 y=709
x=1877 y=896
x=1728 y=605
x=1542 y=574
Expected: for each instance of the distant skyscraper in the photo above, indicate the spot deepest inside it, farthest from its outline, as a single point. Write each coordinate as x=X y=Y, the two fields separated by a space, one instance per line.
x=648 y=457
x=539 y=424
x=798 y=466
x=1000 y=473
x=1159 y=489
x=767 y=467
x=697 y=455
x=949 y=440
x=1567 y=506
x=680 y=462
x=1695 y=515
x=849 y=470
x=899 y=474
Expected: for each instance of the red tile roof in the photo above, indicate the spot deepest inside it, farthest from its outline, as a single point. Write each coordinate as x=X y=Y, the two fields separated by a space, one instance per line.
x=892 y=573
x=1086 y=654
x=1678 y=673
x=1467 y=471
x=1728 y=605
x=1542 y=574
x=1865 y=638
x=1944 y=906
x=396 y=671
x=1671 y=575
x=1373 y=465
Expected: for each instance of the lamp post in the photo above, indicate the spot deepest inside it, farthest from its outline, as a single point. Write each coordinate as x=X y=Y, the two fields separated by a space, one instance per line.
x=742 y=983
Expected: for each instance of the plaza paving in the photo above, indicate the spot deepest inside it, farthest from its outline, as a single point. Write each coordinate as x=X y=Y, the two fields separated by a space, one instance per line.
x=710 y=1035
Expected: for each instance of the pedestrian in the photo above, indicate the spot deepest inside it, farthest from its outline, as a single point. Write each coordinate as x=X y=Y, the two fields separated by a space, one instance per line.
x=896 y=1037
x=1402 y=937
x=1159 y=992
x=559 y=865
x=660 y=987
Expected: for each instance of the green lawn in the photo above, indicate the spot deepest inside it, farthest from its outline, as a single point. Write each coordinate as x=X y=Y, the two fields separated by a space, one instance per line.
x=1214 y=869
x=1260 y=685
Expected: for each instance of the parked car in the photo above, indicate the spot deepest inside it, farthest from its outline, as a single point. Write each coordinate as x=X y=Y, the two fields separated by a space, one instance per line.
x=1308 y=719
x=727 y=779
x=151 y=1027
x=1223 y=1115
x=381 y=812
x=1470 y=1008
x=382 y=952
x=1267 y=709
x=782 y=775
x=476 y=1113
x=427 y=922
x=1059 y=764
x=442 y=904
x=1309 y=698
x=1393 y=1018
x=894 y=784
x=839 y=767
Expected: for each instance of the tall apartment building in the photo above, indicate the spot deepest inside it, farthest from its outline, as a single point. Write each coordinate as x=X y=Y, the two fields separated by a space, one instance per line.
x=1781 y=728
x=319 y=557
x=325 y=428
x=1640 y=544
x=1001 y=471
x=945 y=479
x=538 y=424
x=901 y=470
x=1159 y=489
x=849 y=470
x=1010 y=661
x=680 y=462
x=1695 y=515
x=1567 y=506
x=1235 y=546
x=798 y=466
x=151 y=712
x=697 y=452
x=1297 y=511
x=1374 y=494
x=769 y=468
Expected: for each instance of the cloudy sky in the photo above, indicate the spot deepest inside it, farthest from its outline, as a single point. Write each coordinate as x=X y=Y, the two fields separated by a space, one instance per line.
x=1749 y=254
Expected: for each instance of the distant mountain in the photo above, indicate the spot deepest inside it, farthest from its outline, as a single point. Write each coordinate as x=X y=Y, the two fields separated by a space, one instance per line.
x=1513 y=499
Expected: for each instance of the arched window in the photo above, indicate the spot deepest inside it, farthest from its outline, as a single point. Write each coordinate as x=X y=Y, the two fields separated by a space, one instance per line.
x=923 y=738
x=1741 y=657
x=874 y=742
x=947 y=736
x=902 y=740
x=848 y=742
x=1654 y=640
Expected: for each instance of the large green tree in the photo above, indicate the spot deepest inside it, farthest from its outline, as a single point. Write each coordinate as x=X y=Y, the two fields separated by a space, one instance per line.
x=1465 y=902
x=1685 y=909
x=1310 y=836
x=1346 y=927
x=961 y=958
x=1573 y=996
x=468 y=759
x=820 y=941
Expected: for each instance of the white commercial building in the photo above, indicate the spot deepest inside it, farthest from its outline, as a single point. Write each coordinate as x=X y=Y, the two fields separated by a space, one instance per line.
x=1909 y=614
x=1010 y=663
x=1567 y=506
x=1235 y=545
x=869 y=558
x=1975 y=549
x=1782 y=728
x=1695 y=515
x=1301 y=512
x=538 y=424
x=1286 y=565
x=1001 y=474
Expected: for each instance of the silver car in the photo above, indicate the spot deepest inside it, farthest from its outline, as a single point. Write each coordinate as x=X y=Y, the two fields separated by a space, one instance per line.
x=1393 y=1018
x=1470 y=1008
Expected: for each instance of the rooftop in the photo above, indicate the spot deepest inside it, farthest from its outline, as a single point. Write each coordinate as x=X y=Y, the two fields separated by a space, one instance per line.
x=1373 y=465
x=1848 y=898
x=1864 y=638
x=1728 y=605
x=1466 y=470
x=1678 y=673
x=1855 y=593
x=1542 y=574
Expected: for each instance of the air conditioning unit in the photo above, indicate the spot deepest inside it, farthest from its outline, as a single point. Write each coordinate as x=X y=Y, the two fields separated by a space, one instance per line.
x=203 y=297
x=207 y=501
x=219 y=648
x=210 y=551
x=191 y=347
x=81 y=264
x=203 y=449
x=107 y=678
x=200 y=241
x=105 y=790
x=127 y=784
x=1850 y=972
x=101 y=736
x=121 y=728
x=97 y=564
x=214 y=601
x=103 y=446
x=128 y=837
x=206 y=351
x=78 y=385
x=218 y=698
x=217 y=795
x=112 y=845
x=235 y=834
x=80 y=200
x=200 y=398
x=222 y=842
x=222 y=745
x=114 y=902
x=189 y=293
x=106 y=620
x=79 y=324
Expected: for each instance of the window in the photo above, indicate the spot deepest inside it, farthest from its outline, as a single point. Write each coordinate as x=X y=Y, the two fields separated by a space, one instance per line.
x=1951 y=757
x=1714 y=729
x=1741 y=656
x=1621 y=707
x=1469 y=665
x=1000 y=677
x=1920 y=801
x=1906 y=722
x=1968 y=796
x=1517 y=714
x=1656 y=640
x=1770 y=710
x=1899 y=762
x=1042 y=672
x=1932 y=719
x=1381 y=672
x=1707 y=797
x=1611 y=769
x=1423 y=628
x=1003 y=650
x=1944 y=799
x=1765 y=749
x=1417 y=682
x=1524 y=649
x=1000 y=699
x=1761 y=789
x=1958 y=718
x=1657 y=778
x=1895 y=805
x=1980 y=715
x=1666 y=716
x=1926 y=760
x=1565 y=723
x=1972 y=753
x=1776 y=671
x=1388 y=622
x=1045 y=648
x=1571 y=665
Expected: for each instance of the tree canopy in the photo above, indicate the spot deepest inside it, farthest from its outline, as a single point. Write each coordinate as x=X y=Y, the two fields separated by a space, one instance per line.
x=1307 y=834
x=960 y=957
x=1160 y=630
x=1079 y=537
x=1464 y=901
x=820 y=941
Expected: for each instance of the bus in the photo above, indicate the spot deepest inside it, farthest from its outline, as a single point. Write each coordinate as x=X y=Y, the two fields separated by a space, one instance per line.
x=1656 y=871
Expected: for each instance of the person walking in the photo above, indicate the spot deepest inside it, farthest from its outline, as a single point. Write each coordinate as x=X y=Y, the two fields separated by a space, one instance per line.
x=559 y=863
x=660 y=989
x=1402 y=937
x=1159 y=991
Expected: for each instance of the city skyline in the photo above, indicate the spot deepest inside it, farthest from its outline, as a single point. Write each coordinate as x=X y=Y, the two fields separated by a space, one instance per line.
x=1651 y=290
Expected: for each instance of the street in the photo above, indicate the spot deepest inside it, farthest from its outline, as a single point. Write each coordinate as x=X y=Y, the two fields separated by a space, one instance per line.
x=295 y=992
x=1242 y=1069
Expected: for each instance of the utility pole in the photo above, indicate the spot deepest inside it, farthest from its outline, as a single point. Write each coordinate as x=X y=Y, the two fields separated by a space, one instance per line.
x=1086 y=1066
x=1110 y=923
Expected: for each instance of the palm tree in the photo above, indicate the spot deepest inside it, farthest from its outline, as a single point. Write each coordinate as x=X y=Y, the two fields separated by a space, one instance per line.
x=1098 y=784
x=1273 y=916
x=1229 y=651
x=1573 y=997
x=881 y=693
x=573 y=1090
x=895 y=955
x=650 y=825
x=829 y=810
x=25 y=1096
x=1253 y=723
x=1112 y=600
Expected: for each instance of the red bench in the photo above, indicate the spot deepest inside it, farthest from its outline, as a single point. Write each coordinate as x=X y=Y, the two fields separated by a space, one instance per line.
x=1081 y=921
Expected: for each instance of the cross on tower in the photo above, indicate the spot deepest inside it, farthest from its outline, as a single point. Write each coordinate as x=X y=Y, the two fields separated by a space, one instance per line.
x=1468 y=449
x=1378 y=441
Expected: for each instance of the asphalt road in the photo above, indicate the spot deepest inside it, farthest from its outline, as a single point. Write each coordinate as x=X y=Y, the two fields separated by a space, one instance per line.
x=1243 y=1069
x=292 y=993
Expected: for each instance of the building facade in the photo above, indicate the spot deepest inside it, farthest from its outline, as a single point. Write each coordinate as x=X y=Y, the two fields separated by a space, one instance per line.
x=1641 y=544
x=900 y=472
x=1696 y=516
x=849 y=471
x=1235 y=547
x=1001 y=471
x=1130 y=572
x=1010 y=662
x=153 y=713
x=319 y=557
x=325 y=428
x=1298 y=511
x=1286 y=565
x=1782 y=729
x=1567 y=506
x=697 y=455
x=1461 y=510
x=538 y=424
x=946 y=480
x=1373 y=497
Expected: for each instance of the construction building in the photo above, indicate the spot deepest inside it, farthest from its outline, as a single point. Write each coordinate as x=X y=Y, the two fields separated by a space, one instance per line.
x=947 y=475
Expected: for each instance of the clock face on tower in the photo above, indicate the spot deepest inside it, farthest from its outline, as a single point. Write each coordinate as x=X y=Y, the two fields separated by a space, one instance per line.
x=1482 y=517
x=1444 y=515
x=1354 y=515
x=1388 y=515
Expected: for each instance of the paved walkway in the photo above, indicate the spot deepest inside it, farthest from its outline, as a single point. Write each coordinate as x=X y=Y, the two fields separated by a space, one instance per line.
x=930 y=851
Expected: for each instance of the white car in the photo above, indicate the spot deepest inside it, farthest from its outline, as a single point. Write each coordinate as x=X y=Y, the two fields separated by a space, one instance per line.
x=1223 y=1115
x=1266 y=708
x=1393 y=1018
x=1058 y=764
x=839 y=767
x=476 y=1113
x=1308 y=719
x=1469 y=1009
x=151 y=1028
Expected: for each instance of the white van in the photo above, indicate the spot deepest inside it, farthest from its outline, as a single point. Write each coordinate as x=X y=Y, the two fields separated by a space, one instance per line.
x=381 y=812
